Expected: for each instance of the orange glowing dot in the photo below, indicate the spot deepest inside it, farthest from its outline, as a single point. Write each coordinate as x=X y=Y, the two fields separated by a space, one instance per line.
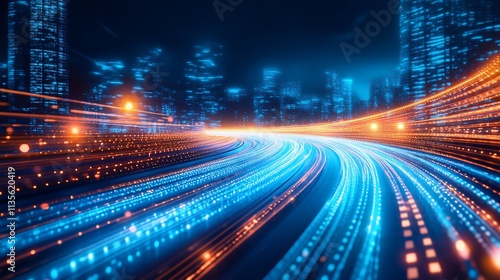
x=33 y=252
x=75 y=130
x=411 y=258
x=206 y=256
x=462 y=249
x=430 y=253
x=434 y=268
x=128 y=214
x=496 y=258
x=45 y=206
x=129 y=106
x=80 y=233
x=374 y=126
x=24 y=148
x=59 y=242
x=9 y=130
x=412 y=273
x=401 y=126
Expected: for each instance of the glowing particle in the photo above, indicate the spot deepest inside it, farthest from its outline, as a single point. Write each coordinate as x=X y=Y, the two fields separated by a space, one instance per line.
x=462 y=249
x=411 y=258
x=412 y=273
x=24 y=148
x=434 y=267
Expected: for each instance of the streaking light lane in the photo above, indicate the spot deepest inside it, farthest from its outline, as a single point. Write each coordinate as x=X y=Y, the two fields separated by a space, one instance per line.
x=277 y=207
x=439 y=200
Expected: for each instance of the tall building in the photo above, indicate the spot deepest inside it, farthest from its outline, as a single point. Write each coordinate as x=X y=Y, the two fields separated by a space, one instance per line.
x=291 y=92
x=107 y=90
x=267 y=99
x=443 y=41
x=148 y=79
x=204 y=86
x=347 y=93
x=3 y=75
x=18 y=63
x=48 y=60
x=340 y=92
x=385 y=93
x=4 y=102
x=237 y=109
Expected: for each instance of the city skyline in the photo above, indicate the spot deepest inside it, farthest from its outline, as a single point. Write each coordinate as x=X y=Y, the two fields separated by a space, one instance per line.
x=299 y=48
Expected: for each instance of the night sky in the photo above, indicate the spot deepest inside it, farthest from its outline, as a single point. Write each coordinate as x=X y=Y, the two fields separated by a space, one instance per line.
x=300 y=37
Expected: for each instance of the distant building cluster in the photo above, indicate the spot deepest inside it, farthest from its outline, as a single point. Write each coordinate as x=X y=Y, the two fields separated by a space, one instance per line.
x=439 y=45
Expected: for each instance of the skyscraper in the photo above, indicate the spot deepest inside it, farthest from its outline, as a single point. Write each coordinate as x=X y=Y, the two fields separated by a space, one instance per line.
x=347 y=93
x=18 y=63
x=4 y=102
x=443 y=41
x=291 y=92
x=204 y=86
x=385 y=93
x=267 y=98
x=334 y=98
x=340 y=92
x=48 y=60
x=237 y=109
x=107 y=80
x=3 y=75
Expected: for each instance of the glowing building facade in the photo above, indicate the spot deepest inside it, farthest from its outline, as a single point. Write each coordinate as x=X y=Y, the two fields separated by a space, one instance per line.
x=108 y=81
x=237 y=109
x=385 y=93
x=48 y=60
x=267 y=99
x=443 y=41
x=204 y=86
x=18 y=63
x=338 y=97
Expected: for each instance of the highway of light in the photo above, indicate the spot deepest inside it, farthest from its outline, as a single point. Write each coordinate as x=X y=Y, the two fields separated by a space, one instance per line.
x=385 y=211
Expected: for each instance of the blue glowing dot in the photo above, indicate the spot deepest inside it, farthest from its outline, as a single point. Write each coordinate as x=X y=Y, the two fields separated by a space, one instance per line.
x=130 y=258
x=108 y=270
x=157 y=244
x=90 y=256
x=331 y=267
x=72 y=264
x=54 y=273
x=105 y=249
x=324 y=277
